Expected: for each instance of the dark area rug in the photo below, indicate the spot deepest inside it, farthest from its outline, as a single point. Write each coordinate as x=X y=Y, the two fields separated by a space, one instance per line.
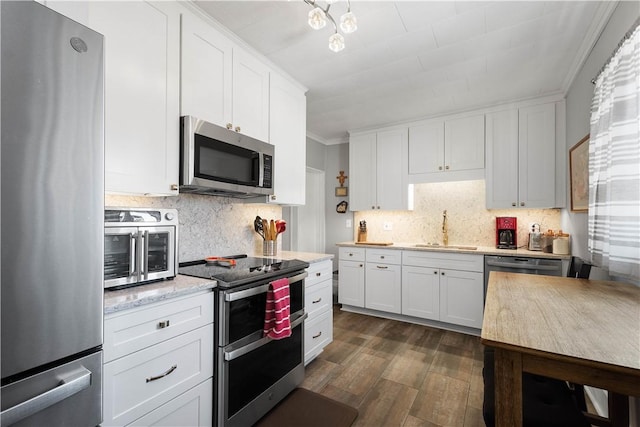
x=304 y=408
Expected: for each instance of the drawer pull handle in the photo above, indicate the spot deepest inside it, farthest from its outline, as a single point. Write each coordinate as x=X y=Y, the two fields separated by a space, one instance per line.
x=317 y=336
x=382 y=267
x=157 y=377
x=318 y=274
x=317 y=301
x=163 y=324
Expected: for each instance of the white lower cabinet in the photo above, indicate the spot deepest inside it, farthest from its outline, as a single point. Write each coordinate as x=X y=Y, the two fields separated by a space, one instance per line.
x=461 y=297
x=443 y=286
x=383 y=280
x=167 y=378
x=421 y=292
x=192 y=408
x=318 y=304
x=351 y=276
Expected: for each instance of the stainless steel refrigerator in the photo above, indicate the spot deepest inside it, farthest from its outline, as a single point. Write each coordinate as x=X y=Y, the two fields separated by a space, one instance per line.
x=52 y=203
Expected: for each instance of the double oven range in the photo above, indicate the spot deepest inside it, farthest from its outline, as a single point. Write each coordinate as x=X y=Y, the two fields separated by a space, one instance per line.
x=253 y=373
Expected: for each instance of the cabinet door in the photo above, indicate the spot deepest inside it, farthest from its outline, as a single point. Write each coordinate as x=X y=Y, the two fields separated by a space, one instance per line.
x=392 y=170
x=206 y=72
x=426 y=148
x=461 y=298
x=318 y=333
x=250 y=96
x=362 y=172
x=421 y=292
x=142 y=66
x=287 y=132
x=383 y=287
x=537 y=154
x=464 y=143
x=501 y=173
x=190 y=409
x=351 y=283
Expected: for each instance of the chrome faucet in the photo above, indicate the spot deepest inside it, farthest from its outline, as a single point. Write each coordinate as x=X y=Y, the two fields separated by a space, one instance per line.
x=445 y=231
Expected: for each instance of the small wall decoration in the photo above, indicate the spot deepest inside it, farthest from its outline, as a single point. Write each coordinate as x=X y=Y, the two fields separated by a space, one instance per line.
x=342 y=191
x=342 y=206
x=579 y=175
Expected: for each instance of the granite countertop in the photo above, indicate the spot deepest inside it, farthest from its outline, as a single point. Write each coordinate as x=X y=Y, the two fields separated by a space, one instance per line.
x=480 y=250
x=309 y=257
x=136 y=296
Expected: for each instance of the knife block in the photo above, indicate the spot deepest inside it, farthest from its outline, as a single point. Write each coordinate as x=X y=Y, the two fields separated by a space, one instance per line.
x=362 y=236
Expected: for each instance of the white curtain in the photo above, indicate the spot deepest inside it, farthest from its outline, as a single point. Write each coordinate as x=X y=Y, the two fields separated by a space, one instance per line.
x=614 y=164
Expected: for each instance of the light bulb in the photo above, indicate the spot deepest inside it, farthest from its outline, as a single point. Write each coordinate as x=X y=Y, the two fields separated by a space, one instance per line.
x=317 y=18
x=336 y=42
x=348 y=23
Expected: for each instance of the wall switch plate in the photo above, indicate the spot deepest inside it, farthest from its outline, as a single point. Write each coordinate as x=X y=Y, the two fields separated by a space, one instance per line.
x=348 y=223
x=387 y=226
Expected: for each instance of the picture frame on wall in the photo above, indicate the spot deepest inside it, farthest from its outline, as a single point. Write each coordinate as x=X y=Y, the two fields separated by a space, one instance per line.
x=342 y=192
x=579 y=175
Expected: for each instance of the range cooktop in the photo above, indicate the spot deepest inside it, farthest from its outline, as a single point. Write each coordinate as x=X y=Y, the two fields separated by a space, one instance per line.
x=245 y=271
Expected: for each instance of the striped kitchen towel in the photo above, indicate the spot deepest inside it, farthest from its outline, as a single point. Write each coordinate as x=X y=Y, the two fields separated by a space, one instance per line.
x=277 y=324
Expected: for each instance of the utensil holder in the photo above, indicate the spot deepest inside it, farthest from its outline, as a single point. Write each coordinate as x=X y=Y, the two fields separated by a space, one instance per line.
x=270 y=248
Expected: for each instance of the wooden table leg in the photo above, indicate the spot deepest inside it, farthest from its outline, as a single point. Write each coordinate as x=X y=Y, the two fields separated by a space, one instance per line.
x=618 y=410
x=508 y=384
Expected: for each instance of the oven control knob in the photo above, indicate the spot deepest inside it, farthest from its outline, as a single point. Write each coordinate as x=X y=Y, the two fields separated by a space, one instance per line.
x=169 y=216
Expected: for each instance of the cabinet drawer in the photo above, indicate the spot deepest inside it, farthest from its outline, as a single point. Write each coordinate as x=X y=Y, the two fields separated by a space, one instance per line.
x=352 y=254
x=192 y=408
x=137 y=384
x=135 y=329
x=453 y=261
x=318 y=298
x=384 y=256
x=318 y=334
x=318 y=272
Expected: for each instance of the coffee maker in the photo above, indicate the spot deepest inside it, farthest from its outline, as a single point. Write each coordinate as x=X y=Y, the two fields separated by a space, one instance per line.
x=506 y=232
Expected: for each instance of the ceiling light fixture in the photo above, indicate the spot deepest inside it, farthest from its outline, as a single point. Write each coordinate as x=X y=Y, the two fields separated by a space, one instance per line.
x=318 y=19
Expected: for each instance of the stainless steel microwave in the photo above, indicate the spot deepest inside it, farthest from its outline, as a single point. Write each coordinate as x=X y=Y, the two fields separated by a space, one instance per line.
x=140 y=245
x=220 y=162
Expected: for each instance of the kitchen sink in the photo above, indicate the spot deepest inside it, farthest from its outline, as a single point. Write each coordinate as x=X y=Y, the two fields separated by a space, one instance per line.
x=438 y=245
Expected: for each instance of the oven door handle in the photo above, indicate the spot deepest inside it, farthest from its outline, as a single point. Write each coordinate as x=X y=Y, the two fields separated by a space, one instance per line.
x=234 y=296
x=234 y=354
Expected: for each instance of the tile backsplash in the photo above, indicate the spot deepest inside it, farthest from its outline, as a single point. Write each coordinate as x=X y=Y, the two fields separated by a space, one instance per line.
x=208 y=225
x=470 y=223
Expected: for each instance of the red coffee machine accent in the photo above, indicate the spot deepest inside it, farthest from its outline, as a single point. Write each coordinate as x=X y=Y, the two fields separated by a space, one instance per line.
x=506 y=232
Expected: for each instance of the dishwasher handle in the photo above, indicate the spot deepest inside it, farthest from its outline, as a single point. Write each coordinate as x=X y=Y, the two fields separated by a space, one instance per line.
x=524 y=266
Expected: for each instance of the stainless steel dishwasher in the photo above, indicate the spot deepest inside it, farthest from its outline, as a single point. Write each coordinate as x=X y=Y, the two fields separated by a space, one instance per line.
x=516 y=264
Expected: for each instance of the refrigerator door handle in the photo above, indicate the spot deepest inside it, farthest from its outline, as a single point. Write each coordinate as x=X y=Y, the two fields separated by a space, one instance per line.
x=69 y=386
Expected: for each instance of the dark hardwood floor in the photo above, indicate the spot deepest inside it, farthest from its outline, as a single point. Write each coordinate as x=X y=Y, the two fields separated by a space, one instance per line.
x=400 y=374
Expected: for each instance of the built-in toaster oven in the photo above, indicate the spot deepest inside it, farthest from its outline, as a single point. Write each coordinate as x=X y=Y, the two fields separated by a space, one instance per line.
x=140 y=245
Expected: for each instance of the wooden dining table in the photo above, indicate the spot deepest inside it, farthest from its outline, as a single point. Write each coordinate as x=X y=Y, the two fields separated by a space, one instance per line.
x=583 y=331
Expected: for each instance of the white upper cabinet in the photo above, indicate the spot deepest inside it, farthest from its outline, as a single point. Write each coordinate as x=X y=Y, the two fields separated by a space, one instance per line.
x=206 y=72
x=221 y=83
x=287 y=132
x=447 y=149
x=378 y=171
x=523 y=159
x=142 y=66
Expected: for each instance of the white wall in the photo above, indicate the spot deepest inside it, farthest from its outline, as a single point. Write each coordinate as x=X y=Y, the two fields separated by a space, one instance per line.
x=337 y=159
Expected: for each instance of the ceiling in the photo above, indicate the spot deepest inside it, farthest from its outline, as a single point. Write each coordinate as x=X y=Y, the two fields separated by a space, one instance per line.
x=416 y=59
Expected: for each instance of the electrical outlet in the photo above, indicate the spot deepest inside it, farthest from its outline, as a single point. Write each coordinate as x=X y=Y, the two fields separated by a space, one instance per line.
x=348 y=223
x=387 y=226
